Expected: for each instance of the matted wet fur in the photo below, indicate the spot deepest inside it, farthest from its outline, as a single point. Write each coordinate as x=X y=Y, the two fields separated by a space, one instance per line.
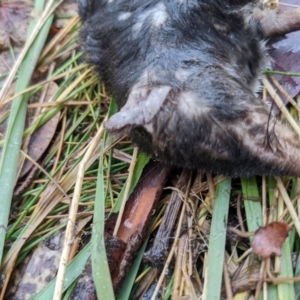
x=185 y=74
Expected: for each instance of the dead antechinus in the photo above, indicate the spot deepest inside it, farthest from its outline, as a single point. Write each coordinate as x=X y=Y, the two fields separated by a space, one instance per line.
x=185 y=74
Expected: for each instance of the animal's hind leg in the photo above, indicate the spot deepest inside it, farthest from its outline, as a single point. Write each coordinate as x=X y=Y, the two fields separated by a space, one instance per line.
x=277 y=22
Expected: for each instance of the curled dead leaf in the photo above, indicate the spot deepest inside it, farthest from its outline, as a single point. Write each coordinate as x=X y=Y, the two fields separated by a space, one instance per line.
x=269 y=239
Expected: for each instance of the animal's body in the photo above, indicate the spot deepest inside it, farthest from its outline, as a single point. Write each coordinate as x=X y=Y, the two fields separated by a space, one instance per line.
x=185 y=74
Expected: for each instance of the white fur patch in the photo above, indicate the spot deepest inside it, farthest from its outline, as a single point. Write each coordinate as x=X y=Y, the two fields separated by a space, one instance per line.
x=124 y=16
x=158 y=15
x=188 y=105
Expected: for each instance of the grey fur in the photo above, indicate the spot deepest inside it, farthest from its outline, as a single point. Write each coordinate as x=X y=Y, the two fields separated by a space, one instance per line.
x=185 y=74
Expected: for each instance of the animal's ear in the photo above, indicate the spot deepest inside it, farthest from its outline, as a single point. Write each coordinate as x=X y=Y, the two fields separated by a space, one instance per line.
x=141 y=107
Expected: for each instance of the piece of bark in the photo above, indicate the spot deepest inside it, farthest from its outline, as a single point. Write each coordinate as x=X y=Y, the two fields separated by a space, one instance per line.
x=122 y=248
x=141 y=203
x=157 y=254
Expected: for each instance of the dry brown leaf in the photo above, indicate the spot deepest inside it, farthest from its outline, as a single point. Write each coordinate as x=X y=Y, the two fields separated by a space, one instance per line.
x=42 y=137
x=37 y=270
x=14 y=21
x=269 y=239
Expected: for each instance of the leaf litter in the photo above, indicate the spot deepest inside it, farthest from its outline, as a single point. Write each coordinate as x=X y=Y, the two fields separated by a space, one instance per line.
x=268 y=239
x=14 y=22
x=285 y=53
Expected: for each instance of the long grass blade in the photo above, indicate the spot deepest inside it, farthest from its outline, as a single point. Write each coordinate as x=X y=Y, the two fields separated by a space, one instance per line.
x=252 y=204
x=13 y=140
x=100 y=268
x=216 y=251
x=286 y=290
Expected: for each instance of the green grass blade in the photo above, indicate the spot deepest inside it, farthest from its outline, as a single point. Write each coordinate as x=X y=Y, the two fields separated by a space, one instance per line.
x=252 y=204
x=272 y=292
x=271 y=186
x=15 y=128
x=168 y=291
x=100 y=268
x=286 y=289
x=217 y=239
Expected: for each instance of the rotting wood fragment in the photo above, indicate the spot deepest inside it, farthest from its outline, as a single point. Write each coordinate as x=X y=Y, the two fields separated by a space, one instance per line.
x=157 y=255
x=122 y=248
